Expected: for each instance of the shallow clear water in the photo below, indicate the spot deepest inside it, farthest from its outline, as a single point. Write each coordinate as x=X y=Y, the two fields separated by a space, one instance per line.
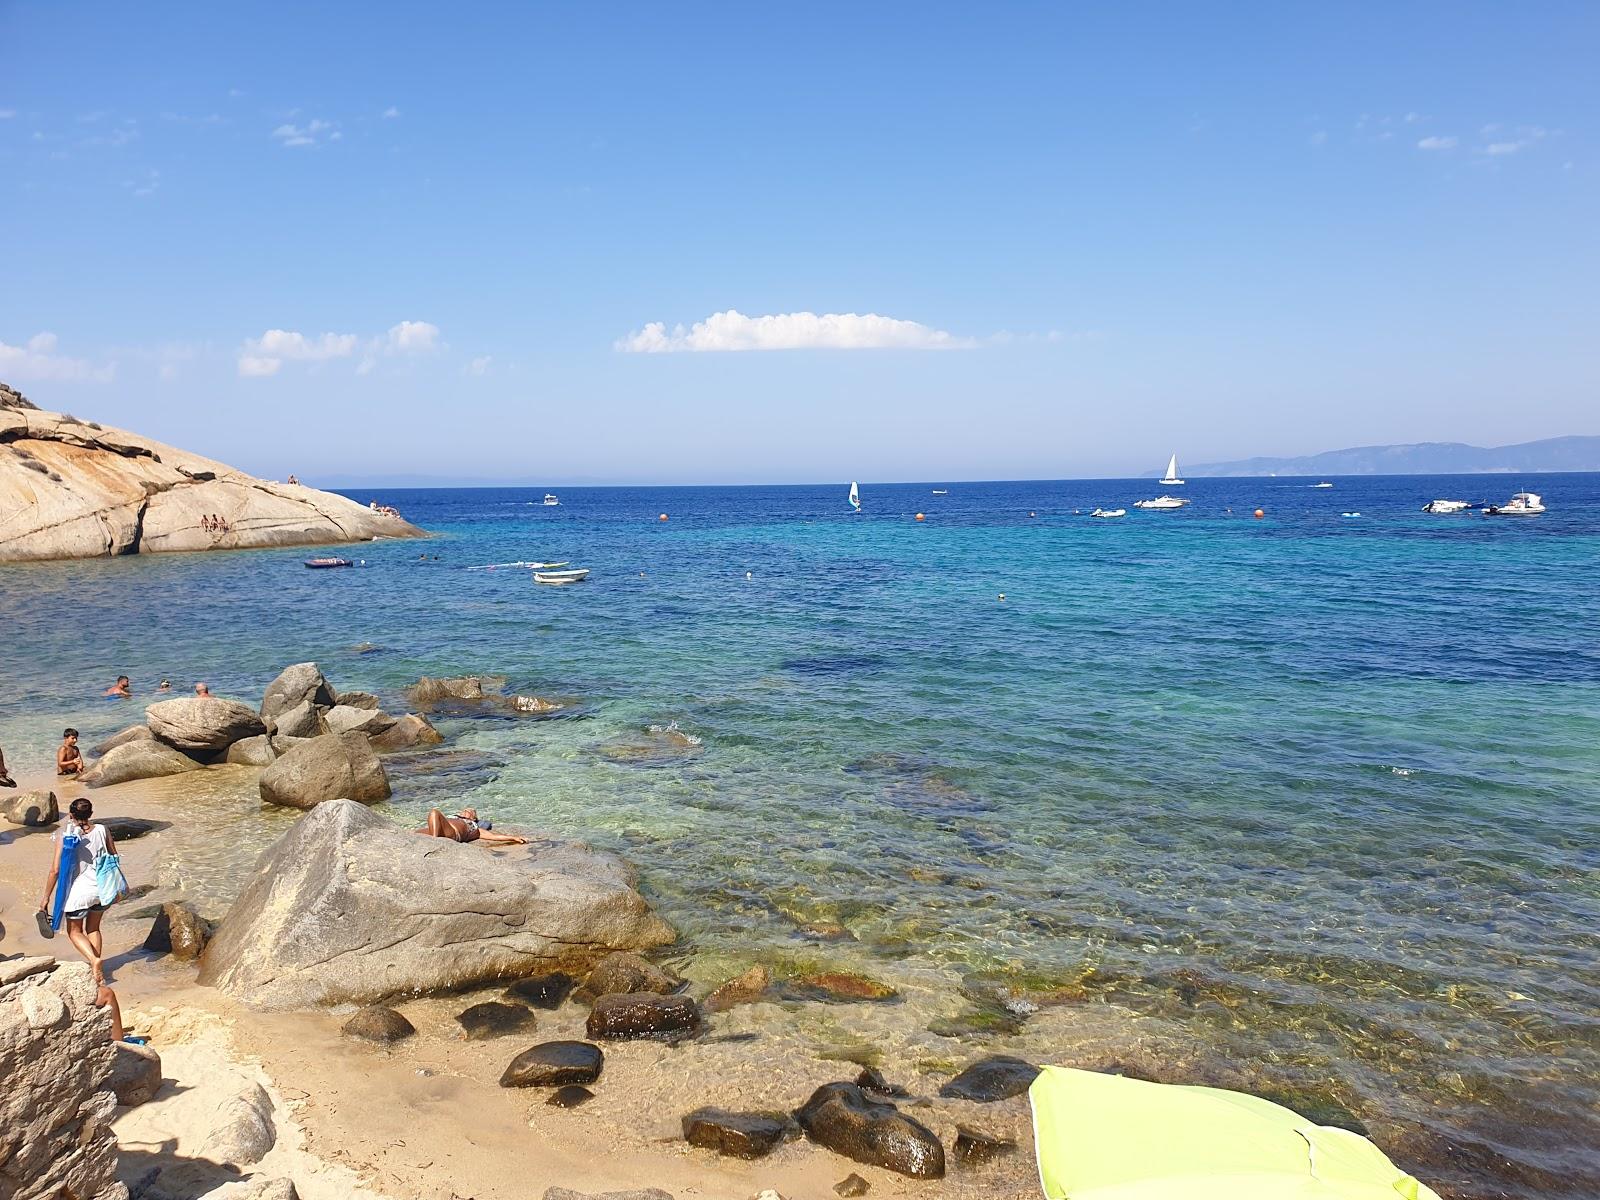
x=1320 y=794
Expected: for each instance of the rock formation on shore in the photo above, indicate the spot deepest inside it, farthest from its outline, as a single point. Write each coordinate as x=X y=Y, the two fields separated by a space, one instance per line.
x=74 y=489
x=349 y=908
x=56 y=1098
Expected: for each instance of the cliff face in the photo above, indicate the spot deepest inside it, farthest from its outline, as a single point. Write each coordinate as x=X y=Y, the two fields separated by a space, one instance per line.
x=73 y=489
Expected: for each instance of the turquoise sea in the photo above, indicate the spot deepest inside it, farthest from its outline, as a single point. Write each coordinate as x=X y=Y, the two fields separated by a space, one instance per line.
x=1316 y=796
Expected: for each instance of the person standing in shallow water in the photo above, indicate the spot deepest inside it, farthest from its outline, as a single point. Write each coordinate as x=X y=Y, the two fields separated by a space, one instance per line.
x=83 y=908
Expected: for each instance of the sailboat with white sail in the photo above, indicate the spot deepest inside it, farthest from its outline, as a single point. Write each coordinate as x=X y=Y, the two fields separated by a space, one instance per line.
x=1171 y=479
x=855 y=496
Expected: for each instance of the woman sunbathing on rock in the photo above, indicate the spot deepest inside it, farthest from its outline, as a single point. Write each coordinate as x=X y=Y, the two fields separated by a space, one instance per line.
x=466 y=827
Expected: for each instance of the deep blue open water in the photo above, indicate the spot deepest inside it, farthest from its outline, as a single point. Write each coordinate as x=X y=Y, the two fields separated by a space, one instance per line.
x=1321 y=793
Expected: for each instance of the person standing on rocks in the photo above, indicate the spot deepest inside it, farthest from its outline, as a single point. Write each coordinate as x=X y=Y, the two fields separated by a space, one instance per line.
x=83 y=909
x=122 y=688
x=69 y=759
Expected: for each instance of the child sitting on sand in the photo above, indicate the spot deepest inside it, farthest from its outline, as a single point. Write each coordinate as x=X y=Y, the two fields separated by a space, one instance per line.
x=69 y=759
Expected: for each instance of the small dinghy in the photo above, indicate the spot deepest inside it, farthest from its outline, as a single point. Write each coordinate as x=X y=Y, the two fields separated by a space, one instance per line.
x=561 y=577
x=1446 y=506
x=1107 y=514
x=327 y=564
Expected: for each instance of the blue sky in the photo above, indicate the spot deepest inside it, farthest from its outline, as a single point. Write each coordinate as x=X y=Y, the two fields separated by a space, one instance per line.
x=461 y=241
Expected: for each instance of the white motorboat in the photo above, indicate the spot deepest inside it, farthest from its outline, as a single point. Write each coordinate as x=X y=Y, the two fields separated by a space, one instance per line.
x=561 y=577
x=941 y=491
x=1108 y=513
x=1171 y=479
x=550 y=501
x=1321 y=485
x=1446 y=506
x=1161 y=502
x=1523 y=504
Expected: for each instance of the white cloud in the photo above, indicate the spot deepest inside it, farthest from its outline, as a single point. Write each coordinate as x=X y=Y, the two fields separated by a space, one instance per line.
x=37 y=359
x=7 y=113
x=731 y=330
x=479 y=366
x=1319 y=138
x=312 y=133
x=412 y=337
x=1438 y=143
x=390 y=113
x=1503 y=147
x=1521 y=137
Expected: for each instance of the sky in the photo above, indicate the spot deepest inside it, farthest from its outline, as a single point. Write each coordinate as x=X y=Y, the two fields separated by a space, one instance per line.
x=629 y=243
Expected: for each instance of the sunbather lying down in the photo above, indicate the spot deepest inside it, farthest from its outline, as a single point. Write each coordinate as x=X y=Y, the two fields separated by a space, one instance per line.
x=466 y=827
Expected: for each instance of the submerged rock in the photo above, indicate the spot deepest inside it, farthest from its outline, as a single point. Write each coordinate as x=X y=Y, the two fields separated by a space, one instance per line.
x=34 y=808
x=872 y=1080
x=840 y=1117
x=838 y=987
x=736 y=1134
x=138 y=760
x=375 y=1023
x=300 y=684
x=336 y=766
x=203 y=724
x=428 y=690
x=998 y=1077
x=973 y=1146
x=542 y=991
x=621 y=972
x=741 y=989
x=554 y=1064
x=126 y=829
x=252 y=752
x=493 y=1019
x=347 y=907
x=642 y=1015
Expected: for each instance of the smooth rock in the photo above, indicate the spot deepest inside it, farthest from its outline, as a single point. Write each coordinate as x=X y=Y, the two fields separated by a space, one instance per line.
x=37 y=807
x=133 y=733
x=554 y=1064
x=300 y=684
x=842 y=1118
x=14 y=969
x=375 y=1023
x=493 y=1019
x=621 y=972
x=542 y=991
x=357 y=700
x=852 y=1185
x=343 y=719
x=347 y=907
x=203 y=724
x=304 y=720
x=838 y=987
x=570 y=1096
x=973 y=1146
x=282 y=743
x=127 y=829
x=138 y=760
x=998 y=1077
x=252 y=752
x=872 y=1080
x=179 y=931
x=736 y=1134
x=741 y=989
x=135 y=1073
x=642 y=1015
x=244 y=1131
x=407 y=732
x=335 y=766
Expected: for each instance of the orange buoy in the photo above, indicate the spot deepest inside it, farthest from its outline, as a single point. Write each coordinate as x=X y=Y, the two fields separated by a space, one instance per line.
x=920 y=517
x=1260 y=513
x=662 y=517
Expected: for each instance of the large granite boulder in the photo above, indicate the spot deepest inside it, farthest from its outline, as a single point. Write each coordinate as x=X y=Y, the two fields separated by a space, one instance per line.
x=406 y=733
x=842 y=1118
x=331 y=767
x=56 y=1102
x=300 y=684
x=304 y=720
x=252 y=752
x=30 y=808
x=138 y=760
x=358 y=700
x=203 y=724
x=347 y=907
x=345 y=718
x=428 y=690
x=133 y=733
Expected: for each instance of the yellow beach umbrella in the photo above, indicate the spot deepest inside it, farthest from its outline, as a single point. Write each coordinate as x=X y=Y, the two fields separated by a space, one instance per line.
x=1104 y=1137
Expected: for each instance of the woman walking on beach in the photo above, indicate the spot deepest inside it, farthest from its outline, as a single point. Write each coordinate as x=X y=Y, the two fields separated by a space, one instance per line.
x=83 y=909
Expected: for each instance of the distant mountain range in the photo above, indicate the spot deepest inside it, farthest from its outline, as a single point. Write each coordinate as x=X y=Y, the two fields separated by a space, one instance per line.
x=1423 y=458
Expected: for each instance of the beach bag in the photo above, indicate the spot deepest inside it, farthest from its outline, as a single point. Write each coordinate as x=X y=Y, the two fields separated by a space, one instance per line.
x=109 y=881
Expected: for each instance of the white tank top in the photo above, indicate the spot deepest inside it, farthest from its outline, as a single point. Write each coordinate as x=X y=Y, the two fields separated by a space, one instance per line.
x=82 y=892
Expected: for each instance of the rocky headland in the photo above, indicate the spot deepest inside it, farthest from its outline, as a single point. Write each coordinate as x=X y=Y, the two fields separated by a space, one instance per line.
x=76 y=489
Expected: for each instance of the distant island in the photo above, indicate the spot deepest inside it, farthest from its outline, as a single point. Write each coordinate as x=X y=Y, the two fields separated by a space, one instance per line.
x=1424 y=458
